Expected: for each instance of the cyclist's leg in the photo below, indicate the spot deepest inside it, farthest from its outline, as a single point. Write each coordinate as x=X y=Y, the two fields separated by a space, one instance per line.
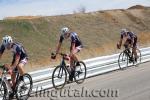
x=71 y=67
x=75 y=52
x=73 y=58
x=13 y=78
x=134 y=48
x=20 y=68
x=126 y=46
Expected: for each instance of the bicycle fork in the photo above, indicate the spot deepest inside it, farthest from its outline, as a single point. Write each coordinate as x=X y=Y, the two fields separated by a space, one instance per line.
x=9 y=89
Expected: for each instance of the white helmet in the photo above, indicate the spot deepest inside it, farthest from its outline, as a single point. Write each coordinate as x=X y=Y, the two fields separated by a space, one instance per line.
x=64 y=30
x=123 y=31
x=7 y=40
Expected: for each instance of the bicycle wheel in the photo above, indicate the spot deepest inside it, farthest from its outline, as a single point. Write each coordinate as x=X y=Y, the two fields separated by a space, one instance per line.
x=3 y=91
x=59 y=77
x=80 y=73
x=24 y=87
x=122 y=60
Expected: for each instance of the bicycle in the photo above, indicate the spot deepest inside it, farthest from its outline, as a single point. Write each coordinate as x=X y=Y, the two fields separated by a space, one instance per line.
x=62 y=71
x=127 y=57
x=22 y=89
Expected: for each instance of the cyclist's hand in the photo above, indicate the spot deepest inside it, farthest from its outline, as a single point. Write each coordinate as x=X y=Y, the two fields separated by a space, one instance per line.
x=53 y=55
x=10 y=71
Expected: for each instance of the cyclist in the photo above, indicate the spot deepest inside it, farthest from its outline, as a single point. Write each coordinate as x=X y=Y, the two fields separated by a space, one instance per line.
x=76 y=46
x=130 y=41
x=19 y=58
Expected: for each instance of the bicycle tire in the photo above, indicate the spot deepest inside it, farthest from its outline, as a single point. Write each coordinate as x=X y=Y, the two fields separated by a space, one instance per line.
x=59 y=71
x=122 y=58
x=24 y=97
x=4 y=95
x=79 y=71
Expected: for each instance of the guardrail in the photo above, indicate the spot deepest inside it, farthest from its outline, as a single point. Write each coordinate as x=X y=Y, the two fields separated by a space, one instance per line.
x=95 y=66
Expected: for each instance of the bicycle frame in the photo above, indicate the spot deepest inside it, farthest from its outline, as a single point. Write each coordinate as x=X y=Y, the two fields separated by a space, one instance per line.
x=4 y=79
x=63 y=65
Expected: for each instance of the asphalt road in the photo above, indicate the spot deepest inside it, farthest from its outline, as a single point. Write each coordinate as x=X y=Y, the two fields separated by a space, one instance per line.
x=129 y=84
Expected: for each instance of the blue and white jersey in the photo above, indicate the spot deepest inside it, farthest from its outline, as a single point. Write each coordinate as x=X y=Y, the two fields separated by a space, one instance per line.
x=73 y=38
x=17 y=50
x=130 y=35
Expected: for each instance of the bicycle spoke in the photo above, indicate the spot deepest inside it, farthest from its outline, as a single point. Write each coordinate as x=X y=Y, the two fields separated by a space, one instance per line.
x=24 y=87
x=59 y=77
x=80 y=73
x=123 y=60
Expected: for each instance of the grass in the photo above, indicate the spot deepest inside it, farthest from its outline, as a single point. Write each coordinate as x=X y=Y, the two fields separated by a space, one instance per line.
x=99 y=32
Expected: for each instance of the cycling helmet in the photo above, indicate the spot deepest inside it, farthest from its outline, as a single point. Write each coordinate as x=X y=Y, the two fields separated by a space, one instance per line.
x=123 y=31
x=64 y=30
x=7 y=40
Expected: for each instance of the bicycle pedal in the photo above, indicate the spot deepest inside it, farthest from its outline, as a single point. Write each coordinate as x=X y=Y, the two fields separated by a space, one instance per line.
x=79 y=72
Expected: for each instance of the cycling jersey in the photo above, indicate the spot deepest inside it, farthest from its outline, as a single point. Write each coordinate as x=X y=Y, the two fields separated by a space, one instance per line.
x=17 y=50
x=130 y=35
x=74 y=39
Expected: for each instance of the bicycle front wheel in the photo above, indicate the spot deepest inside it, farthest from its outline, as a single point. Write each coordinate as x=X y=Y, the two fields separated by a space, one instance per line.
x=3 y=90
x=24 y=87
x=123 y=60
x=59 y=77
x=80 y=73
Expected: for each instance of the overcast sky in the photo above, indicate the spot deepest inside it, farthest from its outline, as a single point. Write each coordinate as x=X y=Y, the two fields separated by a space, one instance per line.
x=58 y=7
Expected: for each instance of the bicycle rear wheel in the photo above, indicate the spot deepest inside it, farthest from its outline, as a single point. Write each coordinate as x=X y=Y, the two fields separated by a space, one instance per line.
x=59 y=77
x=80 y=73
x=24 y=87
x=123 y=60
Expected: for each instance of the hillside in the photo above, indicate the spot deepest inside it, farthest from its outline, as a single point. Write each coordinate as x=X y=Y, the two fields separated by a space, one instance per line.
x=99 y=32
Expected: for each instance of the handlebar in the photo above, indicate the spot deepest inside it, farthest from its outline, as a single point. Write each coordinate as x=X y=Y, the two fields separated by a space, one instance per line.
x=3 y=67
x=62 y=54
x=53 y=55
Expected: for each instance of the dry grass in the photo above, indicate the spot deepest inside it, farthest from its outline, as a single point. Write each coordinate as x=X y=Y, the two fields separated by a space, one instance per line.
x=144 y=38
x=99 y=32
x=22 y=17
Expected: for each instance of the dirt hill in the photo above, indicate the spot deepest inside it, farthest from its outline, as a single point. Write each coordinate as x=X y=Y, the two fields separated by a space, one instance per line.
x=99 y=32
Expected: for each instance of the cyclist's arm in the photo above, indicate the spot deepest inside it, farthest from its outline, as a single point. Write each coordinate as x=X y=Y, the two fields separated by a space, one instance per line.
x=1 y=55
x=59 y=44
x=2 y=49
x=120 y=42
x=58 y=47
x=17 y=58
x=72 y=47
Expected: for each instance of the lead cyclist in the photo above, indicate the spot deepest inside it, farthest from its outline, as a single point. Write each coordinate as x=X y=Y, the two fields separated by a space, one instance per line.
x=20 y=58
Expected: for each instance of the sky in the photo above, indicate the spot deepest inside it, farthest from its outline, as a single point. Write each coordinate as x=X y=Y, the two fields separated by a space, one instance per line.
x=10 y=8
